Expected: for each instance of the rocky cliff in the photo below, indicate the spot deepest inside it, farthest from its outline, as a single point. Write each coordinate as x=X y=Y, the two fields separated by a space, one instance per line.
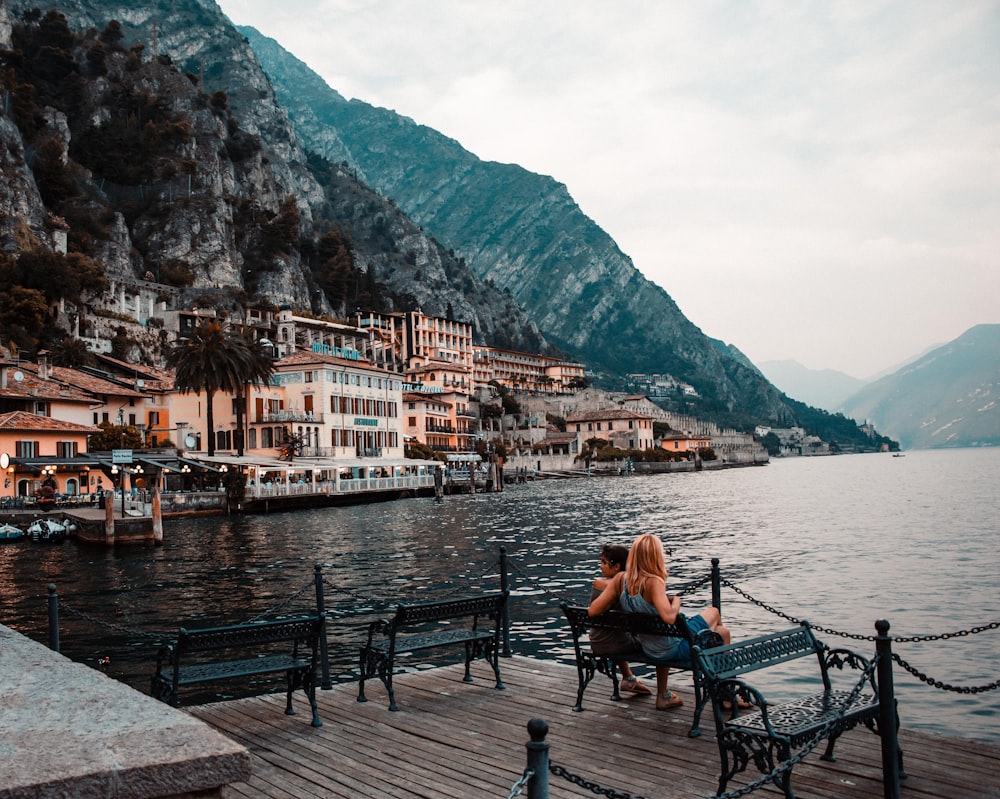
x=176 y=162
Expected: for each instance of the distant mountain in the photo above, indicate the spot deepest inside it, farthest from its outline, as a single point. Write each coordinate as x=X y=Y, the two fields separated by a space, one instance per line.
x=821 y=388
x=523 y=233
x=947 y=398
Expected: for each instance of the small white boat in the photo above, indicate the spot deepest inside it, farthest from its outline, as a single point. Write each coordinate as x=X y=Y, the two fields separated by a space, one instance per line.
x=47 y=531
x=8 y=532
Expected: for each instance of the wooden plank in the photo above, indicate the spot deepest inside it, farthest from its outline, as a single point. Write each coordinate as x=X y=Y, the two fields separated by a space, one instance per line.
x=454 y=739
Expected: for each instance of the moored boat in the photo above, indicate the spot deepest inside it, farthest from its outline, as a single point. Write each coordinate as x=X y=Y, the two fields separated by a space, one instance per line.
x=8 y=532
x=47 y=531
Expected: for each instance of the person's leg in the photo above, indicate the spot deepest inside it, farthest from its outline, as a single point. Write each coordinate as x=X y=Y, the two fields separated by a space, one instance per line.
x=713 y=619
x=665 y=698
x=630 y=682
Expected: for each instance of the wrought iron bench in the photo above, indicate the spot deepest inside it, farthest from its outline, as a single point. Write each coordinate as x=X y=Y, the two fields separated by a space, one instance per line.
x=268 y=647
x=588 y=663
x=769 y=734
x=434 y=625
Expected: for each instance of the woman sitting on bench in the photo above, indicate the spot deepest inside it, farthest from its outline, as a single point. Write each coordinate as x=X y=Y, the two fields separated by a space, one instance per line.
x=642 y=588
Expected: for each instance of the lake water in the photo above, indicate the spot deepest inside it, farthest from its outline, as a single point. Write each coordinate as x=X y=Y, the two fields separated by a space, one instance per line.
x=840 y=541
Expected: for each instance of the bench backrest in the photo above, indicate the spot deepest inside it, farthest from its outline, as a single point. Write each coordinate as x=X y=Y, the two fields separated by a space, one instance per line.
x=637 y=623
x=732 y=660
x=300 y=628
x=489 y=605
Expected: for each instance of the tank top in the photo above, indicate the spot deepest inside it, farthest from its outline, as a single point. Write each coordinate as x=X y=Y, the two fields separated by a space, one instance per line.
x=660 y=647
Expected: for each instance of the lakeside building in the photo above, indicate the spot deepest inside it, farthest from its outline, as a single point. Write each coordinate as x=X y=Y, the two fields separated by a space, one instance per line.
x=522 y=371
x=439 y=420
x=622 y=428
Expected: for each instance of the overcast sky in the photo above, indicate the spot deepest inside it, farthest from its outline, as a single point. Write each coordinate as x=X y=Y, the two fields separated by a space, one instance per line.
x=817 y=181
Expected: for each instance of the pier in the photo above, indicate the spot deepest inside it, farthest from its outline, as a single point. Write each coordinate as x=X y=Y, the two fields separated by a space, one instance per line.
x=461 y=740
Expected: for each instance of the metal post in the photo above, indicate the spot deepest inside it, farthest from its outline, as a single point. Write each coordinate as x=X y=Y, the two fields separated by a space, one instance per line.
x=538 y=759
x=505 y=586
x=887 y=721
x=53 y=618
x=716 y=585
x=324 y=654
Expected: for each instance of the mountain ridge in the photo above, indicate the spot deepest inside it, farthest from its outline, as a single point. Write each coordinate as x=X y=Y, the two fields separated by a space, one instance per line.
x=946 y=398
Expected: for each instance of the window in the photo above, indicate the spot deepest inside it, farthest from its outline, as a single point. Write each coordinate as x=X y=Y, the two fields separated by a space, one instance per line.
x=66 y=449
x=309 y=377
x=26 y=449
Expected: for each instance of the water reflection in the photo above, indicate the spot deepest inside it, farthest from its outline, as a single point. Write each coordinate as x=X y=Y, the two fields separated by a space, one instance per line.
x=840 y=541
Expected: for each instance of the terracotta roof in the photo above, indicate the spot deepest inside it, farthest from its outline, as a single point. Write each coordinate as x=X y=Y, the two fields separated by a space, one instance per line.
x=307 y=357
x=23 y=421
x=608 y=413
x=31 y=387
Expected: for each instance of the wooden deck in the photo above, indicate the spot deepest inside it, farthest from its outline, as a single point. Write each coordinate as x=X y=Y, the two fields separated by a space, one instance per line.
x=456 y=739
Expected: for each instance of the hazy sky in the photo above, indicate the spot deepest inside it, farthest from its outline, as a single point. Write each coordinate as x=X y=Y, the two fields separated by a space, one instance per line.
x=817 y=181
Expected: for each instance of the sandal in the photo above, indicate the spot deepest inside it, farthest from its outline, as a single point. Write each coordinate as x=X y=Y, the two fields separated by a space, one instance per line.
x=668 y=701
x=634 y=686
x=741 y=704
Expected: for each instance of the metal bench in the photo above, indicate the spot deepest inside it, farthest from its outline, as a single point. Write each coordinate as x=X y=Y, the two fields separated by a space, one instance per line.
x=433 y=625
x=290 y=645
x=588 y=663
x=769 y=734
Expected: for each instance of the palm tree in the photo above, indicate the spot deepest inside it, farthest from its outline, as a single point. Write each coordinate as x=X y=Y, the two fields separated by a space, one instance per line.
x=257 y=368
x=210 y=360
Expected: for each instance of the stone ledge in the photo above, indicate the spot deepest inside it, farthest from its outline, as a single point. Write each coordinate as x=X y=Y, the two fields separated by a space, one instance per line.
x=67 y=730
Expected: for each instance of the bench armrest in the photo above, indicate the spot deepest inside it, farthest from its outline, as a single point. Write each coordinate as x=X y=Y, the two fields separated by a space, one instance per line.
x=733 y=691
x=164 y=657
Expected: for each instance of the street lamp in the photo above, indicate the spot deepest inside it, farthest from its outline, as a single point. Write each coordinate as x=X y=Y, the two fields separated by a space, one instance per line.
x=114 y=480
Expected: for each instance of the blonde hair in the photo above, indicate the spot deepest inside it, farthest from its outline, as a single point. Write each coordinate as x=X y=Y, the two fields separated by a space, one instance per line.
x=645 y=559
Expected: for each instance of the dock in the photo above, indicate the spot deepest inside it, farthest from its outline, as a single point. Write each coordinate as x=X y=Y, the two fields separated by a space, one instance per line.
x=462 y=740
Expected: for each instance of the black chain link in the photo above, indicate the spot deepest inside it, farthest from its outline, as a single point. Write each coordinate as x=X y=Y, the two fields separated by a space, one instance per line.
x=275 y=609
x=518 y=787
x=593 y=787
x=857 y=636
x=959 y=689
x=152 y=636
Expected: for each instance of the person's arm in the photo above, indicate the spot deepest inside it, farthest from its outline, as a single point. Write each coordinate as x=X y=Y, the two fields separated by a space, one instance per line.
x=608 y=597
x=667 y=607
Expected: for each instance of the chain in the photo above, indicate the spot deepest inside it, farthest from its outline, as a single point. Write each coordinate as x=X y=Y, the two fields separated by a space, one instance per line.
x=518 y=787
x=856 y=636
x=272 y=611
x=959 y=689
x=945 y=636
x=593 y=787
x=152 y=636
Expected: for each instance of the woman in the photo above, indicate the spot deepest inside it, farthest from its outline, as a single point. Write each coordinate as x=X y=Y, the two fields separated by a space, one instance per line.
x=642 y=588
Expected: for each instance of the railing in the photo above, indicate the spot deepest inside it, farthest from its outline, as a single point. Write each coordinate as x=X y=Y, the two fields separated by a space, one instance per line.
x=535 y=780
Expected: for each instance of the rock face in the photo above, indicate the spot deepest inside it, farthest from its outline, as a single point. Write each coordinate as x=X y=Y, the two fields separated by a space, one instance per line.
x=524 y=233
x=225 y=203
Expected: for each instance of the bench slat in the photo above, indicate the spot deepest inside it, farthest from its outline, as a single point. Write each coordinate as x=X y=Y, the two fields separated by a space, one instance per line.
x=211 y=672
x=415 y=643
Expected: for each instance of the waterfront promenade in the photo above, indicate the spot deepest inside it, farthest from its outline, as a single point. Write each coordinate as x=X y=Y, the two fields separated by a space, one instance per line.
x=463 y=740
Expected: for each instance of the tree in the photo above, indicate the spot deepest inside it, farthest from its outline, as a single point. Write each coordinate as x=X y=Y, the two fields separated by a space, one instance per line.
x=209 y=360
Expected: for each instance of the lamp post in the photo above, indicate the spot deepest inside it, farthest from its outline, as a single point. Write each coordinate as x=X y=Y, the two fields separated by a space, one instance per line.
x=114 y=478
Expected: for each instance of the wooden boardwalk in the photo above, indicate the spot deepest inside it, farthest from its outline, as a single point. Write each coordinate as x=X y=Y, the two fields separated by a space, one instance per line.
x=456 y=739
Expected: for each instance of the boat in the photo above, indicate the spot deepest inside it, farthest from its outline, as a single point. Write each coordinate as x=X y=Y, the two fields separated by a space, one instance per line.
x=8 y=532
x=47 y=532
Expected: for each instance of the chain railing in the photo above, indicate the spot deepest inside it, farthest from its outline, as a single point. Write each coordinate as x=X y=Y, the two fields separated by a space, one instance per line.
x=538 y=755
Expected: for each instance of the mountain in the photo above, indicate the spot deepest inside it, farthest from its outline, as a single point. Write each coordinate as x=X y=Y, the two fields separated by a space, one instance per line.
x=947 y=398
x=821 y=388
x=154 y=136
x=147 y=135
x=523 y=233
